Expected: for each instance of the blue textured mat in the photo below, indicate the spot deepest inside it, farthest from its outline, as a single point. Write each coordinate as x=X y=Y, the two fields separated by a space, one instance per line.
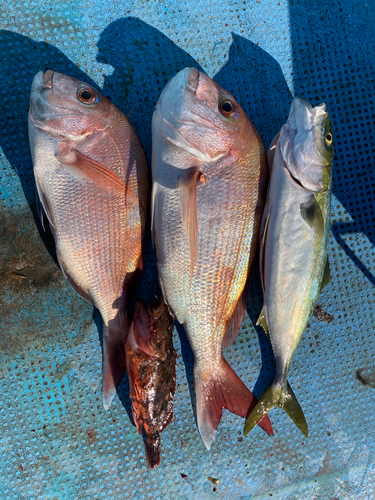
x=56 y=440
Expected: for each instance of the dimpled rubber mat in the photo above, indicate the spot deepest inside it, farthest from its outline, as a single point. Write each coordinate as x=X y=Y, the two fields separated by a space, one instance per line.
x=56 y=440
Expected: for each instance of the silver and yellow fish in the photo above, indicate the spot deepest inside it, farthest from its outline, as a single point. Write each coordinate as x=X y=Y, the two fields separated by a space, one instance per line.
x=91 y=177
x=209 y=183
x=294 y=243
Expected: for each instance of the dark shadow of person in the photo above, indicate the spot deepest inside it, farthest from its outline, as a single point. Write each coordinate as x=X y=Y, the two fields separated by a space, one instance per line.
x=19 y=63
x=144 y=60
x=256 y=80
x=334 y=62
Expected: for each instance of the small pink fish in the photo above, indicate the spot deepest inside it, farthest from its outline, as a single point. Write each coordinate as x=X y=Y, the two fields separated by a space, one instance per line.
x=91 y=177
x=209 y=171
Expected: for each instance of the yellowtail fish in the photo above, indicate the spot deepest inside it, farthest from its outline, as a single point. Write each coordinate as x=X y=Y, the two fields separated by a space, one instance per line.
x=151 y=367
x=294 y=243
x=91 y=177
x=209 y=171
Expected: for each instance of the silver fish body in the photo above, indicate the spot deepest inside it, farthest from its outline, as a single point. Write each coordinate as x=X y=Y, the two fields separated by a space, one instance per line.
x=91 y=177
x=209 y=179
x=294 y=243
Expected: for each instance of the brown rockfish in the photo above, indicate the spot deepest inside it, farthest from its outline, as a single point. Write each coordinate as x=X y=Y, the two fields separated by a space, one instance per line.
x=151 y=367
x=91 y=178
x=209 y=172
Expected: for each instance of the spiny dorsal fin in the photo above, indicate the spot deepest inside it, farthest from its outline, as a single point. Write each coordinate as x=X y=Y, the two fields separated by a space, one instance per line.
x=326 y=275
x=312 y=214
x=188 y=202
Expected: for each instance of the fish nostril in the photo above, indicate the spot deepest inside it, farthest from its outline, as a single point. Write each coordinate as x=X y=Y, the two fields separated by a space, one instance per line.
x=193 y=78
x=47 y=79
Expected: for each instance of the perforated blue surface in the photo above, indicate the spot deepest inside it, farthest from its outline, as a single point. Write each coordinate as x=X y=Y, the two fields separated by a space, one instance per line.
x=56 y=440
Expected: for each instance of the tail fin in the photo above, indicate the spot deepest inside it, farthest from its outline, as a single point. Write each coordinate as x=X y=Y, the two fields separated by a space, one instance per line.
x=153 y=450
x=113 y=365
x=224 y=389
x=284 y=398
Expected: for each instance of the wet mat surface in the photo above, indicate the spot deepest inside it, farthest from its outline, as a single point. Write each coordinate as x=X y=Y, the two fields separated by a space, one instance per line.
x=56 y=440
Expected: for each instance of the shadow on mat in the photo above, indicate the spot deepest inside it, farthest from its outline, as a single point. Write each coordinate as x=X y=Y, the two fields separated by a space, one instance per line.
x=18 y=65
x=339 y=70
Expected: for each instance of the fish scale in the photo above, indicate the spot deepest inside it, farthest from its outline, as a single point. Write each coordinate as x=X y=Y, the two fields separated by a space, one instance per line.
x=91 y=176
x=209 y=166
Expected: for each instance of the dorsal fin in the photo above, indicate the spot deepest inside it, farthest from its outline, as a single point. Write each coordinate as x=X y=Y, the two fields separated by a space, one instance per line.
x=262 y=321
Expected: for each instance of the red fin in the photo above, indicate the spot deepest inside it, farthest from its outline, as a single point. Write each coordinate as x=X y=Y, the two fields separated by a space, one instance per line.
x=235 y=322
x=188 y=202
x=153 y=450
x=224 y=389
x=81 y=166
x=113 y=365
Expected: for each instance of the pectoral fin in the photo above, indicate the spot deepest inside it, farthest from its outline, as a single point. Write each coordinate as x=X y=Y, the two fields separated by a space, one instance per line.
x=83 y=167
x=271 y=152
x=312 y=214
x=326 y=275
x=42 y=205
x=188 y=203
x=265 y=222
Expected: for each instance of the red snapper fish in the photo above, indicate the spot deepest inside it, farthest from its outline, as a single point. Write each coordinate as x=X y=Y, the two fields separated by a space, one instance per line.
x=151 y=367
x=209 y=171
x=91 y=178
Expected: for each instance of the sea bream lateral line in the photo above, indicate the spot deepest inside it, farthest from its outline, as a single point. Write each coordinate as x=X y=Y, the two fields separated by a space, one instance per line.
x=91 y=177
x=209 y=172
x=294 y=244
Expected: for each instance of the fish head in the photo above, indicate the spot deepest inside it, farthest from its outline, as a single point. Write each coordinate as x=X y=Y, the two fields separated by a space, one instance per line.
x=153 y=326
x=198 y=116
x=306 y=144
x=65 y=107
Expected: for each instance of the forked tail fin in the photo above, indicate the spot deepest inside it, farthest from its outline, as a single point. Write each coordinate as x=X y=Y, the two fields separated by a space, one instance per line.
x=114 y=363
x=278 y=396
x=223 y=389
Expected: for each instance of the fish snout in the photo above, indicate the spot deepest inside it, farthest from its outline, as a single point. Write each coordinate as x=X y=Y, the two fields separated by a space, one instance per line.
x=192 y=78
x=48 y=79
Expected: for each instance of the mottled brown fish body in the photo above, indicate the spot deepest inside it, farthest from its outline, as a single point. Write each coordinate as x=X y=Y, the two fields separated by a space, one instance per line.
x=91 y=176
x=151 y=367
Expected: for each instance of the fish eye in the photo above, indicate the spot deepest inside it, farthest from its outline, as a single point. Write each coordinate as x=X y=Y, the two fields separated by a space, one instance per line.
x=328 y=138
x=227 y=108
x=86 y=95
